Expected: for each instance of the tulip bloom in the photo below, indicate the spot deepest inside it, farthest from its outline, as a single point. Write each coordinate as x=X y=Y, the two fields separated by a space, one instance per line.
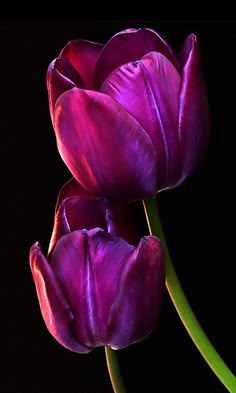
x=131 y=117
x=95 y=288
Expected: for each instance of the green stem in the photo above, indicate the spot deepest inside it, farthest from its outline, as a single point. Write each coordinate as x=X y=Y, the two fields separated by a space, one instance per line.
x=182 y=306
x=114 y=372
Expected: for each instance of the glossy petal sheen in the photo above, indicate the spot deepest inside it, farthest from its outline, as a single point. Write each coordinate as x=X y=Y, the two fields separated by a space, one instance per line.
x=149 y=90
x=78 y=213
x=104 y=147
x=130 y=45
x=194 y=112
x=88 y=260
x=141 y=287
x=58 y=84
x=72 y=188
x=54 y=306
x=76 y=210
x=131 y=117
x=83 y=56
x=61 y=76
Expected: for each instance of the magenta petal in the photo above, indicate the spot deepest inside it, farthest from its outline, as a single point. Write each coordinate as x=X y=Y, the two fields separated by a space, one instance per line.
x=60 y=227
x=194 y=122
x=186 y=49
x=84 y=213
x=66 y=69
x=149 y=90
x=53 y=304
x=110 y=256
x=72 y=188
x=89 y=265
x=139 y=294
x=130 y=45
x=91 y=211
x=77 y=213
x=76 y=209
x=83 y=56
x=71 y=262
x=57 y=84
x=74 y=213
x=104 y=147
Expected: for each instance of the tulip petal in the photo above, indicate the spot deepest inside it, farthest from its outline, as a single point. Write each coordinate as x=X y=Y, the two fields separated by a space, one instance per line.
x=61 y=76
x=58 y=84
x=139 y=294
x=105 y=149
x=149 y=90
x=109 y=256
x=53 y=304
x=130 y=45
x=64 y=68
x=83 y=55
x=186 y=49
x=100 y=270
x=119 y=220
x=77 y=213
x=76 y=209
x=91 y=262
x=71 y=189
x=194 y=120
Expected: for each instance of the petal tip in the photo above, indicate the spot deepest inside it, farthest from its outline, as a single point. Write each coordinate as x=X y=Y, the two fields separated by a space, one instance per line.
x=193 y=38
x=36 y=248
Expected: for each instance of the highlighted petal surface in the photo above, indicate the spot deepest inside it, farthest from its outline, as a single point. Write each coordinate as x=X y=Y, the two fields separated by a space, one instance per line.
x=194 y=112
x=83 y=56
x=61 y=76
x=105 y=148
x=117 y=311
x=130 y=45
x=149 y=90
x=54 y=306
x=139 y=294
x=88 y=260
x=76 y=209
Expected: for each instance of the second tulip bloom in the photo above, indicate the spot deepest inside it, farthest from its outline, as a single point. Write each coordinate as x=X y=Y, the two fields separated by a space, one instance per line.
x=99 y=285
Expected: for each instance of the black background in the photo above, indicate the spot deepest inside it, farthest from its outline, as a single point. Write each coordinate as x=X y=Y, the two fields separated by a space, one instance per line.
x=199 y=219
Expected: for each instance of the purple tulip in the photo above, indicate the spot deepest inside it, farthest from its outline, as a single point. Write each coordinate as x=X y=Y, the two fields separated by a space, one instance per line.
x=95 y=288
x=131 y=117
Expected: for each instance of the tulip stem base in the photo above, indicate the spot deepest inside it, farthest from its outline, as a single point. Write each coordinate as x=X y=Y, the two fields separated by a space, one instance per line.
x=114 y=372
x=182 y=306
